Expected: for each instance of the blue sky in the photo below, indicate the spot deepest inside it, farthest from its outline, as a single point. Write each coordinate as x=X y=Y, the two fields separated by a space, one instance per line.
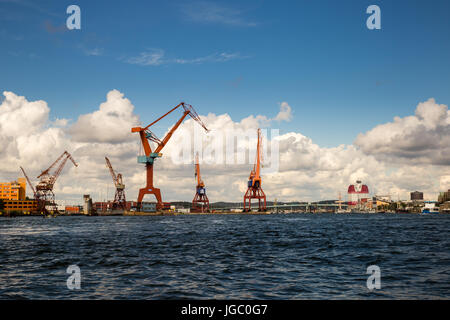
x=238 y=57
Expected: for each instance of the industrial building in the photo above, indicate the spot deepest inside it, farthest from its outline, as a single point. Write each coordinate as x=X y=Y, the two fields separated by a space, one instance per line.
x=20 y=205
x=15 y=190
x=73 y=210
x=444 y=196
x=109 y=205
x=416 y=196
x=13 y=195
x=380 y=202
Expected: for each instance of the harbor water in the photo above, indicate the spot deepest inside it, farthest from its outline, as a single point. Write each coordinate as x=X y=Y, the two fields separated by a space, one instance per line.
x=294 y=256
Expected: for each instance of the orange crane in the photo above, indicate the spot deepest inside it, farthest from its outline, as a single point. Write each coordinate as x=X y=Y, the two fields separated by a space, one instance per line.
x=150 y=155
x=200 y=202
x=254 y=190
x=120 y=201
x=44 y=189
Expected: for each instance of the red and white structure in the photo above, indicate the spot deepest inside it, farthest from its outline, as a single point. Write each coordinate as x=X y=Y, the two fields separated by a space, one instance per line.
x=358 y=193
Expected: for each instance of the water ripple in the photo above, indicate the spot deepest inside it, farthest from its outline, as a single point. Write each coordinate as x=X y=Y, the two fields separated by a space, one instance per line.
x=300 y=256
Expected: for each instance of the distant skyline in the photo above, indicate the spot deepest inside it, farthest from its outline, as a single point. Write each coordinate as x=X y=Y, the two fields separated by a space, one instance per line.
x=349 y=102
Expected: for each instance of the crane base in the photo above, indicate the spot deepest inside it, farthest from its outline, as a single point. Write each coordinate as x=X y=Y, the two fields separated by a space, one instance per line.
x=254 y=193
x=200 y=204
x=155 y=191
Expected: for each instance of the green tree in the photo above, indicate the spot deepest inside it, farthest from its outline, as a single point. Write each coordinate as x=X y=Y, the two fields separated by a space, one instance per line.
x=393 y=206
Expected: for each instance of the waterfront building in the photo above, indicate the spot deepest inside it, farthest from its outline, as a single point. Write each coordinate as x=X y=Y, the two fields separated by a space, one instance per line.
x=444 y=196
x=15 y=190
x=358 y=194
x=107 y=206
x=416 y=196
x=73 y=209
x=20 y=205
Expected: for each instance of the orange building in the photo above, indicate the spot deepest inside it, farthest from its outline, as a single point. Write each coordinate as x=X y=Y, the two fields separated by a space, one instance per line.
x=20 y=205
x=15 y=190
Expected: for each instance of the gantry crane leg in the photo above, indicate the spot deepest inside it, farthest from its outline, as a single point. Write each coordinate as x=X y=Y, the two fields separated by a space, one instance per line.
x=255 y=193
x=149 y=189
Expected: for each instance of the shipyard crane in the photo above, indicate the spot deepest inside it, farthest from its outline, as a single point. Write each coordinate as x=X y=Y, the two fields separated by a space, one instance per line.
x=44 y=189
x=29 y=182
x=119 y=198
x=150 y=155
x=254 y=190
x=200 y=202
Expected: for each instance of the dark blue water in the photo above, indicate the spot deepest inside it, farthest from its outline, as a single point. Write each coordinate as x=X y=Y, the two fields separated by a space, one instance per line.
x=296 y=256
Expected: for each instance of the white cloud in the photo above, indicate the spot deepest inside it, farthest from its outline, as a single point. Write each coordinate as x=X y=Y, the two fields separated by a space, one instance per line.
x=152 y=57
x=156 y=57
x=111 y=123
x=93 y=52
x=215 y=57
x=208 y=12
x=18 y=114
x=307 y=171
x=423 y=138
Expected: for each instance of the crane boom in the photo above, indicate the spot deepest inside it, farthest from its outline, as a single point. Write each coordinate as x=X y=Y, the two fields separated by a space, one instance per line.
x=146 y=134
x=61 y=166
x=255 y=174
x=46 y=171
x=111 y=170
x=200 y=183
x=258 y=156
x=170 y=133
x=29 y=182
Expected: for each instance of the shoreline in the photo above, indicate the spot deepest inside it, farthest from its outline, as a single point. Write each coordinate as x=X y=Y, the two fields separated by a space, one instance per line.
x=162 y=213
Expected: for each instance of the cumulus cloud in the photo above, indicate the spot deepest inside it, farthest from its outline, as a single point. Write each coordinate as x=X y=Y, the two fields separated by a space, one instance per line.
x=24 y=132
x=423 y=138
x=111 y=123
x=18 y=114
x=307 y=171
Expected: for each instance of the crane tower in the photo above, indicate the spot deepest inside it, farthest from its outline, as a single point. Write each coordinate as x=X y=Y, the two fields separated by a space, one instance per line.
x=200 y=202
x=150 y=155
x=119 y=198
x=44 y=189
x=254 y=190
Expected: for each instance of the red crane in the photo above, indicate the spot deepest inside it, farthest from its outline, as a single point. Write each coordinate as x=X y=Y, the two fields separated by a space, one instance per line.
x=29 y=182
x=120 y=201
x=254 y=190
x=44 y=189
x=151 y=155
x=200 y=202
